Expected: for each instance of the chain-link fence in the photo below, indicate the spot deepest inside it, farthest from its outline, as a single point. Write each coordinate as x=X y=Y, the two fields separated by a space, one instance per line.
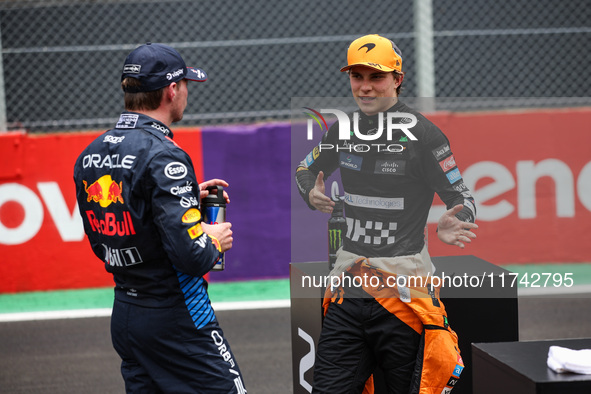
x=62 y=60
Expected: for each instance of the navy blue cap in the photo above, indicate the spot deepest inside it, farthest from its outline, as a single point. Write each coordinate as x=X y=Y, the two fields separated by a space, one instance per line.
x=157 y=66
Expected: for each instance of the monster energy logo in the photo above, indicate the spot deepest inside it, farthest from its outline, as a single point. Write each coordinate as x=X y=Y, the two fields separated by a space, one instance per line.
x=335 y=238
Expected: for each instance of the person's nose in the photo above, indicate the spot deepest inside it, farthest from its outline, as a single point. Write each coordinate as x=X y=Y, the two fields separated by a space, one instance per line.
x=366 y=86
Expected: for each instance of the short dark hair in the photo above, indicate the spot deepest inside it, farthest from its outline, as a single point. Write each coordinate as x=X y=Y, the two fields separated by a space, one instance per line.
x=146 y=101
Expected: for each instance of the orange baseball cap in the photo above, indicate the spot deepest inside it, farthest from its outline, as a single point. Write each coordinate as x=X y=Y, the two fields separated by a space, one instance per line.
x=376 y=52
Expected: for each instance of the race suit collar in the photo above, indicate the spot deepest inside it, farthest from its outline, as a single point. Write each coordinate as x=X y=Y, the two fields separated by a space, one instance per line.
x=135 y=120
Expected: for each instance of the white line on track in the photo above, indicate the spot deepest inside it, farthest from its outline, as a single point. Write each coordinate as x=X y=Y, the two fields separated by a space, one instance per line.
x=581 y=290
x=551 y=291
x=105 y=312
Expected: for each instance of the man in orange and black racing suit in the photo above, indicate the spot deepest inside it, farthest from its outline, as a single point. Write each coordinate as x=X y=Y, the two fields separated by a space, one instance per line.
x=389 y=182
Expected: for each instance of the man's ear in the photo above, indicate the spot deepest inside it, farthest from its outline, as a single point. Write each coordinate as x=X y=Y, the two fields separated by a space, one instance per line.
x=171 y=91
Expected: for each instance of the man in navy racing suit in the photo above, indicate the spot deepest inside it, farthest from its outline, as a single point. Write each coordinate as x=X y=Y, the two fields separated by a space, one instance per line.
x=140 y=203
x=392 y=160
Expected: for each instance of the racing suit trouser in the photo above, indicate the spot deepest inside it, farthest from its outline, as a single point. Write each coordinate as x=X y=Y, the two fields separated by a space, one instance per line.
x=163 y=352
x=358 y=335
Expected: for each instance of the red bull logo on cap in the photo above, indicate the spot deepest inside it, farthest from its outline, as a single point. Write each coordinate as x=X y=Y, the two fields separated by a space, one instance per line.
x=104 y=191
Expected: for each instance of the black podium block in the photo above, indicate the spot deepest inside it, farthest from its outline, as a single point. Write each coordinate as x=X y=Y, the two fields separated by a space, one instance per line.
x=520 y=368
x=306 y=321
x=480 y=303
x=486 y=313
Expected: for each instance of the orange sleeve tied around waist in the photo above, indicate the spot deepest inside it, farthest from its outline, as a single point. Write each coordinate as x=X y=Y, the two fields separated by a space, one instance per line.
x=439 y=363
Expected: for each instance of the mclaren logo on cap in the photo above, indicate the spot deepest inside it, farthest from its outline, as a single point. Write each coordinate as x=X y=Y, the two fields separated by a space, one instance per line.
x=132 y=68
x=369 y=46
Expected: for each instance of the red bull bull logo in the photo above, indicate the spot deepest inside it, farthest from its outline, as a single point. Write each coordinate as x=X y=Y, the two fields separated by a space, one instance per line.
x=104 y=191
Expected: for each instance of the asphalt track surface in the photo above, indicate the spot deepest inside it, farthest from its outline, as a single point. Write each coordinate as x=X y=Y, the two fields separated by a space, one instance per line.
x=76 y=356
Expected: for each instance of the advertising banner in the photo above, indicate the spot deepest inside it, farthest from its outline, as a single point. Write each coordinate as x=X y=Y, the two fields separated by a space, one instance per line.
x=42 y=241
x=529 y=173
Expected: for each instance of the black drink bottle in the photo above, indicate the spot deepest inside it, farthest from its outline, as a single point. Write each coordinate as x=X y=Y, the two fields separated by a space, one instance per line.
x=214 y=212
x=337 y=228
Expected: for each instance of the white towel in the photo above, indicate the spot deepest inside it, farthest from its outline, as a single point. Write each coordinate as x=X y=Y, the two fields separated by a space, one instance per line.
x=561 y=359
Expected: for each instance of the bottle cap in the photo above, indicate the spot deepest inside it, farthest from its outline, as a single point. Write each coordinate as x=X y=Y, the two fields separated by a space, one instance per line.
x=338 y=207
x=215 y=198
